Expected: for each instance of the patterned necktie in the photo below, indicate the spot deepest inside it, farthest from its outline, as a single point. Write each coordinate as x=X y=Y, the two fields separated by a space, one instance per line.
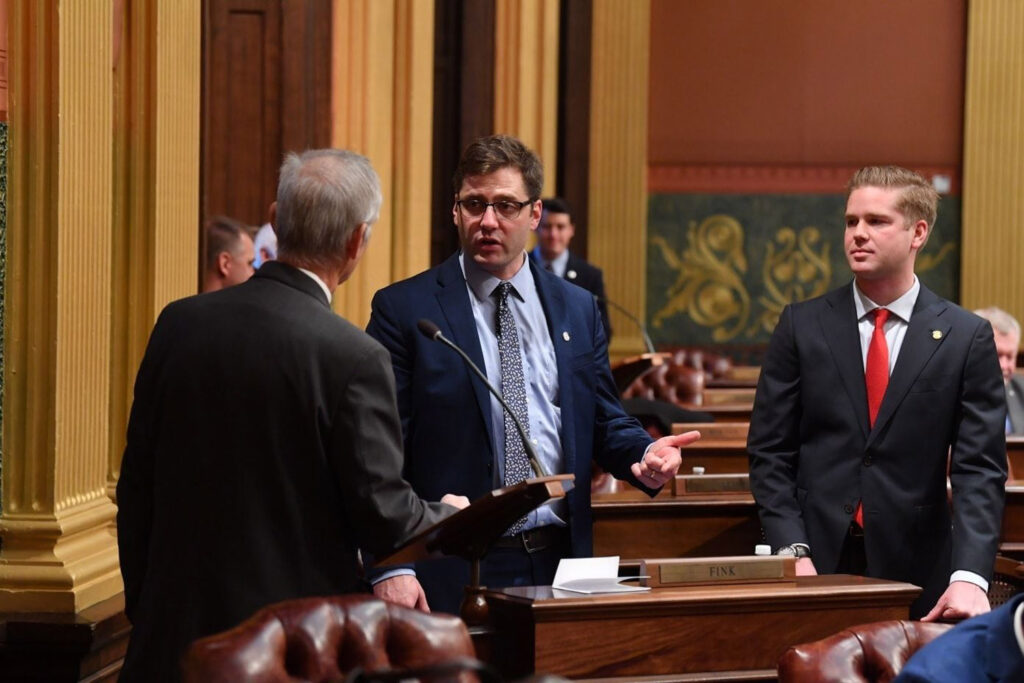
x=876 y=378
x=513 y=389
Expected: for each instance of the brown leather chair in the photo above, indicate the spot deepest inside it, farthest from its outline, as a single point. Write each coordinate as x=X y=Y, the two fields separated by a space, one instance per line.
x=869 y=652
x=670 y=382
x=323 y=639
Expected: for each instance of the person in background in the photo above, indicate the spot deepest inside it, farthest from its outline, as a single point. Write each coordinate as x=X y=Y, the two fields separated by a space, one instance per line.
x=265 y=245
x=1007 y=335
x=554 y=233
x=229 y=254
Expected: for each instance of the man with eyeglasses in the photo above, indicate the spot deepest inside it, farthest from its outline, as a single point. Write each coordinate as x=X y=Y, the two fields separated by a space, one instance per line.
x=541 y=341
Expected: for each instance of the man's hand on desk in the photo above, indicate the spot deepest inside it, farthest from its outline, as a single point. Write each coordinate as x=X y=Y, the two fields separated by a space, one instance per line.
x=662 y=460
x=404 y=590
x=455 y=501
x=961 y=600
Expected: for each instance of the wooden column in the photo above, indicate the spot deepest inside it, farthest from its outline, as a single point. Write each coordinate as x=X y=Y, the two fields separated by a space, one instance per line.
x=58 y=550
x=526 y=78
x=617 y=205
x=992 y=238
x=383 y=98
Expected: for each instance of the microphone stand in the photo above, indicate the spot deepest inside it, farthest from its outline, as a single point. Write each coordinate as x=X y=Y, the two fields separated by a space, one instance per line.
x=636 y=321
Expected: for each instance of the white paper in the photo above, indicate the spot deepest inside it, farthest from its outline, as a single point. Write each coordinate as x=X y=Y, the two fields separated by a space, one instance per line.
x=593 y=575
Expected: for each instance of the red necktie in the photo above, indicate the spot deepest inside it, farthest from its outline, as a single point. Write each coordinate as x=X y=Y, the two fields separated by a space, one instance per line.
x=876 y=377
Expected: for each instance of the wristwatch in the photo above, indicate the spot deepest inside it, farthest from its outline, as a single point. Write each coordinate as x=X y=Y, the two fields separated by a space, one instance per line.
x=797 y=550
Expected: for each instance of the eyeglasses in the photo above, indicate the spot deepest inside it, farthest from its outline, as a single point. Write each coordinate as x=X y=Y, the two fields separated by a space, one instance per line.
x=506 y=208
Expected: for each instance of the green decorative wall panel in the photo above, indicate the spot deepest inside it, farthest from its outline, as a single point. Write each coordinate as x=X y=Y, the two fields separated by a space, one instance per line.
x=720 y=268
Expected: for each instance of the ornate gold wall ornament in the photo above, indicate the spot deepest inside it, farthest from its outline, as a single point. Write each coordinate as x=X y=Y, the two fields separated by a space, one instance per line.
x=792 y=271
x=709 y=287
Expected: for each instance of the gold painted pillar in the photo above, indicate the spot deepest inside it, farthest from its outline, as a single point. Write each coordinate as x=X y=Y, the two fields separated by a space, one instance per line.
x=526 y=78
x=617 y=208
x=59 y=552
x=993 y=234
x=382 y=75
x=156 y=195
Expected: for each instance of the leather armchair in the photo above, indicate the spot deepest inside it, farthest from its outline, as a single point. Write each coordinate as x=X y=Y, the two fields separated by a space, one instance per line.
x=869 y=652
x=323 y=639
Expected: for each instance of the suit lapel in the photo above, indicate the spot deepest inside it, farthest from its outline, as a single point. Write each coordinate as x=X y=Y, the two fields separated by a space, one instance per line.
x=839 y=326
x=453 y=298
x=555 y=310
x=925 y=334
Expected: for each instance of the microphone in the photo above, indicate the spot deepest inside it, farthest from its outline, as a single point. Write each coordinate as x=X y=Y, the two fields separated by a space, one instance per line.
x=432 y=332
x=636 y=321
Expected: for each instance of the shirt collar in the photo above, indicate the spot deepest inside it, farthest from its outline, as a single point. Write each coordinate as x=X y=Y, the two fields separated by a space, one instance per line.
x=482 y=283
x=316 y=279
x=901 y=307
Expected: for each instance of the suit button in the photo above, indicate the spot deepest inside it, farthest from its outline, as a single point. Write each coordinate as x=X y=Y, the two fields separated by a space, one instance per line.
x=848 y=509
x=867 y=461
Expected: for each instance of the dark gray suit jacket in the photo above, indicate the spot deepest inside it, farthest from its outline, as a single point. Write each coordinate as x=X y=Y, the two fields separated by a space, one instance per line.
x=1015 y=404
x=264 y=449
x=813 y=454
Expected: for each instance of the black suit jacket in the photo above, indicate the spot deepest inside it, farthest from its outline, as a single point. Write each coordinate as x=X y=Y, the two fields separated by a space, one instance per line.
x=263 y=450
x=813 y=454
x=590 y=278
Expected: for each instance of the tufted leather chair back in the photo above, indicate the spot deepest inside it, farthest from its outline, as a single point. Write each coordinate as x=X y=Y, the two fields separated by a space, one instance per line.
x=322 y=639
x=669 y=382
x=869 y=652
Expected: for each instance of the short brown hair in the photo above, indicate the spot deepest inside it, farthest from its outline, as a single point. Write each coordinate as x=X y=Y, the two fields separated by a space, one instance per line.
x=918 y=200
x=494 y=152
x=223 y=234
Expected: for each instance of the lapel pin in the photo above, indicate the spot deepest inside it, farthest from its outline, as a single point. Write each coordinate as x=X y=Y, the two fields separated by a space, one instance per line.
x=936 y=334
x=565 y=336
x=571 y=274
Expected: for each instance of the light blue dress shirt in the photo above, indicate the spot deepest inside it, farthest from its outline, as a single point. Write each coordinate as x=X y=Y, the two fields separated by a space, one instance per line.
x=540 y=370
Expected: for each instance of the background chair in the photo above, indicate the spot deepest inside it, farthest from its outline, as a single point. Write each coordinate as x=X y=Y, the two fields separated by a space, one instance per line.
x=1007 y=580
x=869 y=652
x=323 y=639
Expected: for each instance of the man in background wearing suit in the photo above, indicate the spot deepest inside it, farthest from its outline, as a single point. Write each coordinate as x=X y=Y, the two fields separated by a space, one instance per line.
x=229 y=254
x=541 y=341
x=245 y=482
x=554 y=233
x=1007 y=333
x=865 y=394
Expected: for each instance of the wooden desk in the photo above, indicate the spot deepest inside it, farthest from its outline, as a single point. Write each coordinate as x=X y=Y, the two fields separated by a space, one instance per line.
x=633 y=526
x=1015 y=456
x=1012 y=538
x=724 y=412
x=737 y=631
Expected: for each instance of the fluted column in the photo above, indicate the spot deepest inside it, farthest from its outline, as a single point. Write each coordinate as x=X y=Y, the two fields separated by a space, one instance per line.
x=58 y=551
x=382 y=96
x=992 y=238
x=526 y=77
x=156 y=196
x=617 y=207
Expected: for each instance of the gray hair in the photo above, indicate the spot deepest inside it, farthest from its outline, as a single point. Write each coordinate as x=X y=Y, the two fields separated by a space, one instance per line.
x=1002 y=322
x=323 y=195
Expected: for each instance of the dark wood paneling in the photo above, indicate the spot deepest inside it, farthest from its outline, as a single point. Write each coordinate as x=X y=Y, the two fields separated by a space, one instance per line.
x=574 y=113
x=241 y=136
x=463 y=102
x=266 y=91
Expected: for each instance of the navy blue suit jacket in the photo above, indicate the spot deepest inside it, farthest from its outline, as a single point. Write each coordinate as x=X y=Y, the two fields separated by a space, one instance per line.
x=980 y=649
x=446 y=410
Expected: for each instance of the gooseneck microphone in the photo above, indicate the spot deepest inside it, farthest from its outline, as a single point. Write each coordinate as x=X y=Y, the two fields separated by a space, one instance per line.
x=636 y=321
x=432 y=332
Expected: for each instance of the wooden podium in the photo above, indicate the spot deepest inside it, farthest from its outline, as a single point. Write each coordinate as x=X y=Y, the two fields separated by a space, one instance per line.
x=723 y=632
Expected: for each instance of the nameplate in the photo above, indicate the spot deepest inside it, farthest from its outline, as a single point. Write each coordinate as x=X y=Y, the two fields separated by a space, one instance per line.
x=688 y=484
x=718 y=570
